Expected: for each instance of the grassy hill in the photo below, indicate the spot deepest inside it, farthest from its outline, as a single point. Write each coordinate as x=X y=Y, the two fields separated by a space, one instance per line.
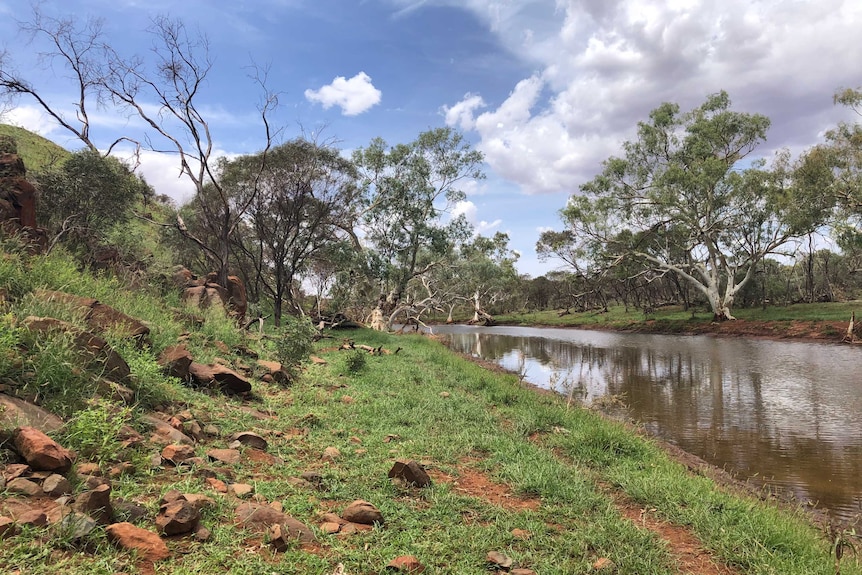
x=37 y=152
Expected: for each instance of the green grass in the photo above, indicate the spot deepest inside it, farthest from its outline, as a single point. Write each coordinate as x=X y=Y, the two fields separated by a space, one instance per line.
x=674 y=318
x=425 y=403
x=37 y=152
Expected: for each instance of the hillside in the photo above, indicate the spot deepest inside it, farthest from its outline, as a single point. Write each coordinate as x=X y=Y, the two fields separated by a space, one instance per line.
x=36 y=151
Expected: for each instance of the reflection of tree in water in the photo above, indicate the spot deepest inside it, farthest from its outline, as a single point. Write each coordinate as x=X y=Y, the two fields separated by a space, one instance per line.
x=716 y=404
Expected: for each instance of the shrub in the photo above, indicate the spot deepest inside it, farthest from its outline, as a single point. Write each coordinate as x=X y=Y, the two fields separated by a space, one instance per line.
x=355 y=361
x=94 y=431
x=293 y=343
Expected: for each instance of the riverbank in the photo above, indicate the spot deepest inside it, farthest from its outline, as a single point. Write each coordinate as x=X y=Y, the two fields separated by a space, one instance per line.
x=805 y=322
x=518 y=479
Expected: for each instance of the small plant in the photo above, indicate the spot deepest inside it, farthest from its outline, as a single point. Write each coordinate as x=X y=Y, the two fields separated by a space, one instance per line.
x=10 y=339
x=293 y=343
x=355 y=361
x=94 y=432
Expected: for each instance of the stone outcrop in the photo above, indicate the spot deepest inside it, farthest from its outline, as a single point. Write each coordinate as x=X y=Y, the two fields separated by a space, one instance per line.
x=17 y=196
x=206 y=292
x=16 y=412
x=98 y=316
x=218 y=375
x=410 y=472
x=88 y=343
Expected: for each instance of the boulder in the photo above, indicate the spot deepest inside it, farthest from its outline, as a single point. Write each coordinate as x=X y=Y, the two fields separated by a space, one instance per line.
x=411 y=472
x=176 y=360
x=250 y=439
x=178 y=517
x=227 y=379
x=16 y=412
x=362 y=512
x=98 y=316
x=147 y=544
x=164 y=430
x=96 y=503
x=40 y=451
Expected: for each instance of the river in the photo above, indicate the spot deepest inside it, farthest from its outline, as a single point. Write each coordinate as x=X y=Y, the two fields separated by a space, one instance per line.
x=784 y=414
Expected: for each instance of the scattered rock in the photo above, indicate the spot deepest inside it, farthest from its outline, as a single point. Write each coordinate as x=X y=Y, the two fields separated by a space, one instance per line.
x=603 y=564
x=281 y=534
x=331 y=454
x=148 y=544
x=88 y=469
x=178 y=517
x=16 y=412
x=176 y=360
x=123 y=468
x=33 y=518
x=330 y=527
x=406 y=564
x=227 y=379
x=410 y=472
x=24 y=486
x=521 y=534
x=216 y=484
x=171 y=496
x=14 y=470
x=164 y=430
x=203 y=534
x=240 y=489
x=40 y=451
x=75 y=526
x=212 y=430
x=228 y=456
x=129 y=511
x=312 y=477
x=250 y=439
x=499 y=559
x=258 y=517
x=275 y=370
x=176 y=454
x=522 y=571
x=8 y=528
x=96 y=503
x=445 y=394
x=362 y=512
x=56 y=485
x=199 y=501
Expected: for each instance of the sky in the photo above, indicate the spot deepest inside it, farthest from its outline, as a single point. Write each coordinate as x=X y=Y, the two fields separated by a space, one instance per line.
x=545 y=89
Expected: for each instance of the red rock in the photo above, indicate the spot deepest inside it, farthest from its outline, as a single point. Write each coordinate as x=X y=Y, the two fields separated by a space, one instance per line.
x=177 y=453
x=229 y=456
x=17 y=412
x=410 y=472
x=8 y=528
x=40 y=451
x=330 y=527
x=33 y=517
x=148 y=544
x=24 y=486
x=178 y=517
x=96 y=503
x=250 y=439
x=499 y=559
x=56 y=485
x=176 y=360
x=240 y=489
x=217 y=484
x=275 y=370
x=362 y=512
x=406 y=564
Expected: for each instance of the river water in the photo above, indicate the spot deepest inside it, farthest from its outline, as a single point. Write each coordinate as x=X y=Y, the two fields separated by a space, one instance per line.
x=786 y=414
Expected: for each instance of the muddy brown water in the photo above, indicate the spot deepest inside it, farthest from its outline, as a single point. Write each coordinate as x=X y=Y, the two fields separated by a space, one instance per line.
x=784 y=414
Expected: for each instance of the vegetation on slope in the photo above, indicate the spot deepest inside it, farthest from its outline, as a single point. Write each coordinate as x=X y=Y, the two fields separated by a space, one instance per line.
x=37 y=152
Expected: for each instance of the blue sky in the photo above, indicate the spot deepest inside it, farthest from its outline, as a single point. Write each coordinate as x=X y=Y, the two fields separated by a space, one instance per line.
x=545 y=89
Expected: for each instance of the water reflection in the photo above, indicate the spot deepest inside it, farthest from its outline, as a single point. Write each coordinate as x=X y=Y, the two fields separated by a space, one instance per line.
x=787 y=413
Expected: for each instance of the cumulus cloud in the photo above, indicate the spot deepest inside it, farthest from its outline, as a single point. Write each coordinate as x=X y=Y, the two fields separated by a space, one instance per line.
x=470 y=211
x=354 y=96
x=604 y=65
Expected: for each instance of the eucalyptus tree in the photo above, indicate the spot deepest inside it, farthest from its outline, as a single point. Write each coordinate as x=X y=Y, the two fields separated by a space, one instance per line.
x=410 y=191
x=299 y=204
x=688 y=204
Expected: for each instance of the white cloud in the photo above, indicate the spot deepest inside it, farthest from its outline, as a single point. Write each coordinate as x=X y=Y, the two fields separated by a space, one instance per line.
x=604 y=65
x=353 y=96
x=461 y=114
x=470 y=211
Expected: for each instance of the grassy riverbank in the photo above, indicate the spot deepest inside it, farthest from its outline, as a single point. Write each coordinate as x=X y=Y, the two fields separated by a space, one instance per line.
x=819 y=321
x=557 y=490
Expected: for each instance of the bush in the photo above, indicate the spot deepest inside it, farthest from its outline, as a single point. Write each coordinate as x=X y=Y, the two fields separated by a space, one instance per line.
x=355 y=361
x=94 y=432
x=293 y=343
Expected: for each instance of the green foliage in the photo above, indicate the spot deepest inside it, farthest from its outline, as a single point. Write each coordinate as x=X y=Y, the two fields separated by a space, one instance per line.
x=10 y=340
x=293 y=343
x=94 y=432
x=355 y=361
x=87 y=196
x=54 y=373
